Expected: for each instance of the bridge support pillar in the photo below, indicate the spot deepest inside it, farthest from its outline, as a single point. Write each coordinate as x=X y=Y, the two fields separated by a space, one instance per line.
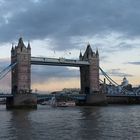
x=96 y=99
x=22 y=101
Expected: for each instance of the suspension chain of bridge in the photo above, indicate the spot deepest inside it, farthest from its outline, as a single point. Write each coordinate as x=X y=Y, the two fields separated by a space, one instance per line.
x=6 y=70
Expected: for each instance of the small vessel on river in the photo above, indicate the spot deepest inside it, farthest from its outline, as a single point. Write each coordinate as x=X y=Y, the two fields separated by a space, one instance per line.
x=56 y=103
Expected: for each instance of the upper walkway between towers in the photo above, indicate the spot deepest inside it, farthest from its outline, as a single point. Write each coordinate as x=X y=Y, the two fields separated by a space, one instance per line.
x=58 y=62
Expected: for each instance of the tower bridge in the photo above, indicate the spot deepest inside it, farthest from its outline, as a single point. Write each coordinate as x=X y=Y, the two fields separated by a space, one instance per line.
x=21 y=75
x=88 y=63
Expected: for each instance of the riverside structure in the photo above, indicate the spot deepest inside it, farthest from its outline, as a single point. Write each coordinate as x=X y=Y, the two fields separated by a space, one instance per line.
x=21 y=75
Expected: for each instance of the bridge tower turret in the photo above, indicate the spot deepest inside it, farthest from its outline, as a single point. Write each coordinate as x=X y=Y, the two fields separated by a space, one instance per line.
x=21 y=78
x=80 y=56
x=90 y=78
x=90 y=74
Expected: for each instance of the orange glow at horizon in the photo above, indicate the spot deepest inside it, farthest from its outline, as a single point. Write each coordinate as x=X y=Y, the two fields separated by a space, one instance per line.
x=57 y=84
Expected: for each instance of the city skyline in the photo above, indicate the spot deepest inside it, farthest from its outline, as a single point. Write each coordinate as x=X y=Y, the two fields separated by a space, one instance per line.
x=63 y=29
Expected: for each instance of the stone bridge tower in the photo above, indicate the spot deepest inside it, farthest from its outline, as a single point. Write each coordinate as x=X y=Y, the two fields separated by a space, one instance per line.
x=90 y=74
x=21 y=73
x=90 y=78
x=21 y=78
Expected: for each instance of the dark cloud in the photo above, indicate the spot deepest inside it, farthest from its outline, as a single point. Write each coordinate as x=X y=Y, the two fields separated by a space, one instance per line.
x=60 y=20
x=124 y=46
x=134 y=63
x=118 y=46
x=104 y=59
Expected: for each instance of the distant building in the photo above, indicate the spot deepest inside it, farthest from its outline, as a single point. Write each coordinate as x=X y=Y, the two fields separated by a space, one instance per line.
x=71 y=90
x=125 y=85
x=124 y=82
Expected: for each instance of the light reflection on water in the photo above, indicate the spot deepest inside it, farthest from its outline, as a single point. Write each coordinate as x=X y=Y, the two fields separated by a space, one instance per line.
x=74 y=123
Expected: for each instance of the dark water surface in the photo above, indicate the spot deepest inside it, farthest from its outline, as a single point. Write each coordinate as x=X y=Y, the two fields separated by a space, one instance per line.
x=73 y=123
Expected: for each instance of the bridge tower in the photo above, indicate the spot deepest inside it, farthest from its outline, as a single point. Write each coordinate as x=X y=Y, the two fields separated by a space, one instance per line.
x=21 y=78
x=89 y=76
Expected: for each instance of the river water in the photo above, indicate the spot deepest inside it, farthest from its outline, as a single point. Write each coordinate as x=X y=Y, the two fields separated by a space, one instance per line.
x=71 y=123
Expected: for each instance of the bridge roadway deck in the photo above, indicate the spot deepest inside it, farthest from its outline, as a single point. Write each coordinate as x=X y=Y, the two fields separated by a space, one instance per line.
x=58 y=62
x=74 y=96
x=49 y=96
x=122 y=95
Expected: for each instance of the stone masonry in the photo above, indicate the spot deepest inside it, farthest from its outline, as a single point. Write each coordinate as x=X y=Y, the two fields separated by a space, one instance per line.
x=21 y=79
x=90 y=74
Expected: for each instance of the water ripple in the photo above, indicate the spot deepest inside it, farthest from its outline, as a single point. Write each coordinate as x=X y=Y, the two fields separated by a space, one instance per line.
x=74 y=123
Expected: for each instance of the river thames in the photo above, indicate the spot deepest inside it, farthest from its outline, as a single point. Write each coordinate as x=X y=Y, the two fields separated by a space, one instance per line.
x=71 y=123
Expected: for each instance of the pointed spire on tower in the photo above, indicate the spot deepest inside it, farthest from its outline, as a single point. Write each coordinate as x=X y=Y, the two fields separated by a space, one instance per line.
x=88 y=45
x=88 y=52
x=80 y=56
x=20 y=42
x=97 y=53
x=12 y=46
x=28 y=47
x=12 y=50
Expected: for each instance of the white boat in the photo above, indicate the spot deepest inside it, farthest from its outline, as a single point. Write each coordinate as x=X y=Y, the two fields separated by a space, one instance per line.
x=56 y=103
x=70 y=103
x=53 y=101
x=65 y=103
x=45 y=103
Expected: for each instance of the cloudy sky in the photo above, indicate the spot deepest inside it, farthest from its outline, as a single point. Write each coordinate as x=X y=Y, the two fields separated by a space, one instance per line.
x=61 y=28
